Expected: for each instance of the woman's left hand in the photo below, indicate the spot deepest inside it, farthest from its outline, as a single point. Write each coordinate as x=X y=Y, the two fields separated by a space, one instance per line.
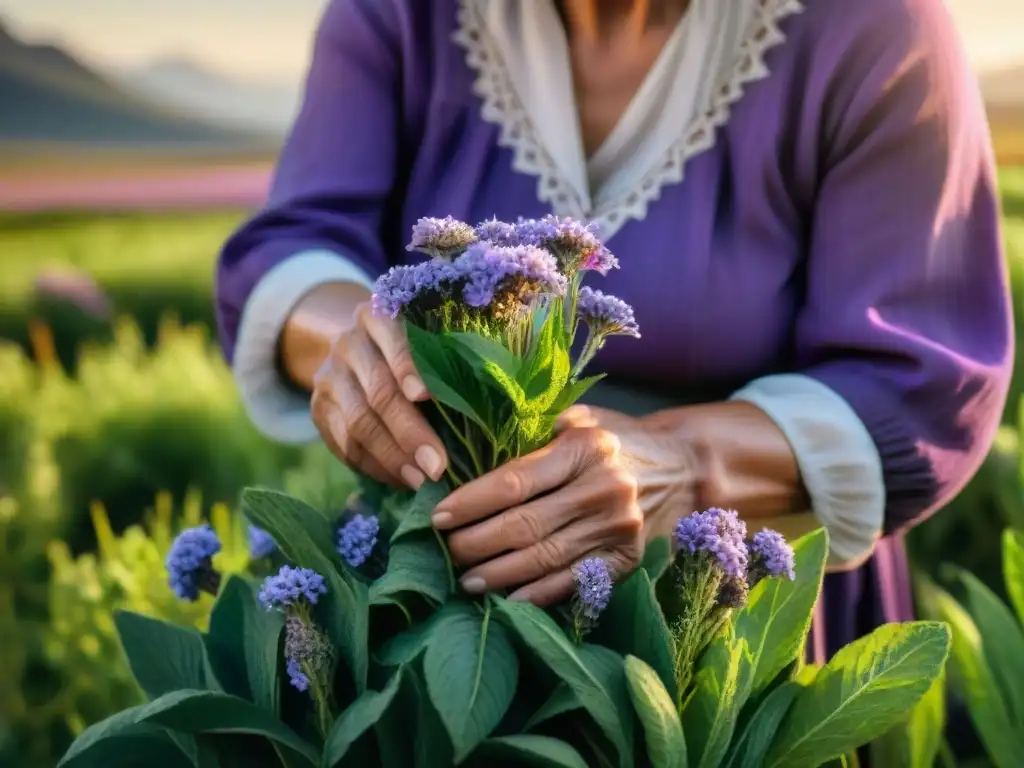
x=587 y=493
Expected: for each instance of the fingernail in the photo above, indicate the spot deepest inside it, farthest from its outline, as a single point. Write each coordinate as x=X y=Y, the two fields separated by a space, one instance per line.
x=429 y=461
x=412 y=476
x=474 y=585
x=413 y=387
x=520 y=596
x=441 y=519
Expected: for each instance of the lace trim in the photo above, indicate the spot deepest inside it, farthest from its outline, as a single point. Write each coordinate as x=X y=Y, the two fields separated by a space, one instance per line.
x=502 y=106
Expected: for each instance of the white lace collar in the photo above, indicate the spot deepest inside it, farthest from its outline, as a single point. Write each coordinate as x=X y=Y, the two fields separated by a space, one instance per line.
x=519 y=52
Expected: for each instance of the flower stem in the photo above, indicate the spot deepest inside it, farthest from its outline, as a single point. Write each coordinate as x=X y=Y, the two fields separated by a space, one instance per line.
x=462 y=439
x=449 y=566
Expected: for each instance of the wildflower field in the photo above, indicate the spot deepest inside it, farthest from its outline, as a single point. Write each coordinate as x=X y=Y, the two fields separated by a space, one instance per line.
x=119 y=426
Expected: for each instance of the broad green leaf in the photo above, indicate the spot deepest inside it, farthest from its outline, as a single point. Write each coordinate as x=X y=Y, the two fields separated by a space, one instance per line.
x=663 y=733
x=241 y=632
x=974 y=679
x=561 y=700
x=471 y=671
x=358 y=718
x=720 y=685
x=416 y=564
x=915 y=743
x=805 y=674
x=190 y=711
x=161 y=656
x=1002 y=643
x=225 y=641
x=416 y=517
x=777 y=617
x=121 y=741
x=657 y=557
x=476 y=348
x=609 y=669
x=1013 y=569
x=404 y=647
x=306 y=538
x=528 y=750
x=633 y=624
x=434 y=362
x=545 y=639
x=868 y=687
x=753 y=743
x=573 y=391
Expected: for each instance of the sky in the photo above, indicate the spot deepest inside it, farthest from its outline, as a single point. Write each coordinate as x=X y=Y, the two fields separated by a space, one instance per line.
x=270 y=39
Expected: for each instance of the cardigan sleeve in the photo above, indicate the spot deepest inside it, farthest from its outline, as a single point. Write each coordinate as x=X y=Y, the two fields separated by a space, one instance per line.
x=907 y=315
x=335 y=178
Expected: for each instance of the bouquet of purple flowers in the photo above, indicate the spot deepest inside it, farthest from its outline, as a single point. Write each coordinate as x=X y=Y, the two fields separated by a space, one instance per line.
x=360 y=650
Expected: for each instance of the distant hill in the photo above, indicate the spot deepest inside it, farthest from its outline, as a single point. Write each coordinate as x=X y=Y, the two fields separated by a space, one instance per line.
x=46 y=95
x=1004 y=86
x=193 y=89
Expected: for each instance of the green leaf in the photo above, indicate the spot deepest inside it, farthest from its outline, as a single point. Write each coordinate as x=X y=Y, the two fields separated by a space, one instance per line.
x=1013 y=569
x=416 y=517
x=561 y=700
x=751 y=748
x=358 y=718
x=655 y=706
x=915 y=743
x=475 y=349
x=528 y=750
x=868 y=687
x=306 y=538
x=416 y=563
x=122 y=741
x=435 y=363
x=191 y=711
x=1002 y=642
x=546 y=640
x=657 y=557
x=471 y=670
x=161 y=656
x=572 y=392
x=243 y=634
x=633 y=624
x=404 y=647
x=975 y=681
x=609 y=669
x=777 y=617
x=720 y=683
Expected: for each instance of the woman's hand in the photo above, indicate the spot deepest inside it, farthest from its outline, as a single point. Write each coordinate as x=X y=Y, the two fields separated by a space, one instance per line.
x=524 y=525
x=363 y=404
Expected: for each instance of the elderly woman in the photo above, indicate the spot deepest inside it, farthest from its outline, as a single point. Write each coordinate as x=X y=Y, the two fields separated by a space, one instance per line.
x=802 y=199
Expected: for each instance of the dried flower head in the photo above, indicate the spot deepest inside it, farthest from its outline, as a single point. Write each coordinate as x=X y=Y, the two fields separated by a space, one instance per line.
x=290 y=587
x=261 y=543
x=500 y=278
x=190 y=563
x=720 y=534
x=770 y=557
x=308 y=652
x=441 y=238
x=593 y=587
x=606 y=315
x=357 y=538
x=574 y=244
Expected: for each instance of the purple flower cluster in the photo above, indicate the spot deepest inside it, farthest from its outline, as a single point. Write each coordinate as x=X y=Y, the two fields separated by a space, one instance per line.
x=190 y=563
x=261 y=543
x=720 y=534
x=291 y=587
x=441 y=238
x=397 y=288
x=308 y=652
x=357 y=538
x=770 y=557
x=498 y=232
x=575 y=245
x=593 y=587
x=606 y=315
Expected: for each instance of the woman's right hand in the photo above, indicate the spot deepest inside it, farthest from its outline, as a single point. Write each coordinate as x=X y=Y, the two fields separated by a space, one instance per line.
x=364 y=399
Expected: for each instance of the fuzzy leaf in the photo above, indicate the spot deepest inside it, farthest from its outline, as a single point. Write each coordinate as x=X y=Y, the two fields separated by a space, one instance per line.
x=656 y=709
x=471 y=671
x=867 y=688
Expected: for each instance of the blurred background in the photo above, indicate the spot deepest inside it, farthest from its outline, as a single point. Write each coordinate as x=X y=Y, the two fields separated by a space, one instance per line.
x=133 y=137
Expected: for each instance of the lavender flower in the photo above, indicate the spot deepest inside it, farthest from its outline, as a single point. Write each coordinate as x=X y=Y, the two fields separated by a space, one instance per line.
x=497 y=232
x=190 y=563
x=357 y=538
x=720 y=534
x=593 y=586
x=399 y=287
x=500 y=278
x=606 y=315
x=261 y=543
x=291 y=587
x=575 y=245
x=441 y=238
x=308 y=652
x=770 y=557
